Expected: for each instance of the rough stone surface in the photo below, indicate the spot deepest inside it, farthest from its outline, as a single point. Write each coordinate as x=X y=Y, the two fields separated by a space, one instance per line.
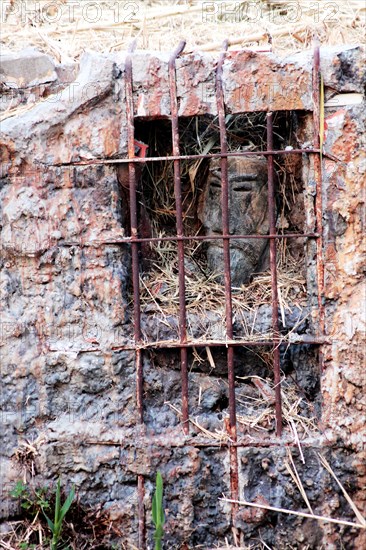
x=27 y=68
x=69 y=388
x=344 y=198
x=29 y=76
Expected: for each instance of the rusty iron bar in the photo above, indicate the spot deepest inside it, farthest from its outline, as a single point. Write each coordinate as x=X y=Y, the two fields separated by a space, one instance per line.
x=225 y=343
x=135 y=283
x=273 y=268
x=171 y=344
x=128 y=240
x=243 y=443
x=134 y=231
x=318 y=183
x=180 y=230
x=250 y=442
x=234 y=469
x=185 y=157
x=225 y=224
x=141 y=511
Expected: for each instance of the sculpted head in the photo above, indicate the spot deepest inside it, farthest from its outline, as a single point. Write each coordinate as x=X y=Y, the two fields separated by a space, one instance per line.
x=248 y=214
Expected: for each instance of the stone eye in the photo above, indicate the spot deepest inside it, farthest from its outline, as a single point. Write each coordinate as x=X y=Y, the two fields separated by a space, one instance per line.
x=243 y=182
x=216 y=184
x=215 y=181
x=244 y=186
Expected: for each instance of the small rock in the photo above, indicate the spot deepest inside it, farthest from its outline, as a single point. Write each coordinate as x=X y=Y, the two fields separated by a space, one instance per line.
x=27 y=68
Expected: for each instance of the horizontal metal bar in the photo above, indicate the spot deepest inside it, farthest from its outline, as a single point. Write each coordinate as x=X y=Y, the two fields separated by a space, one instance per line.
x=127 y=240
x=192 y=442
x=184 y=157
x=172 y=344
x=250 y=442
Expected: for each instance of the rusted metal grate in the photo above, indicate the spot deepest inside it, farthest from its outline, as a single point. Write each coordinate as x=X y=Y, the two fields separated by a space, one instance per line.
x=183 y=343
x=180 y=238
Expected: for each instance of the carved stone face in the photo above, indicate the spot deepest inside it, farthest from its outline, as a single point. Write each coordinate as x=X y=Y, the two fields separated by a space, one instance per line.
x=248 y=214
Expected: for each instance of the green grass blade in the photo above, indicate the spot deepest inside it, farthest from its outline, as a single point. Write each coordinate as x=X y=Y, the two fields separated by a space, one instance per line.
x=66 y=505
x=158 y=511
x=159 y=532
x=159 y=498
x=58 y=500
x=154 y=511
x=50 y=523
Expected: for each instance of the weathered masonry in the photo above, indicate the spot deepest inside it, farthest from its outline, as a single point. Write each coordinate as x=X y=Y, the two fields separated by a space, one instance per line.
x=134 y=193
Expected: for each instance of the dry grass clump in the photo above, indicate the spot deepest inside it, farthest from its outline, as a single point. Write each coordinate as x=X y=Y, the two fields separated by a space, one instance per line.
x=26 y=453
x=205 y=297
x=86 y=532
x=257 y=413
x=84 y=528
x=255 y=405
x=65 y=29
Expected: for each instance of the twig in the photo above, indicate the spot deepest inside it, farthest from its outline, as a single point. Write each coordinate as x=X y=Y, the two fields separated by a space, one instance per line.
x=358 y=514
x=294 y=513
x=253 y=37
x=219 y=436
x=295 y=476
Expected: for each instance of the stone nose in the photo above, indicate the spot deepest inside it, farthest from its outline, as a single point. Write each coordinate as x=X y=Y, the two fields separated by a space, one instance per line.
x=232 y=225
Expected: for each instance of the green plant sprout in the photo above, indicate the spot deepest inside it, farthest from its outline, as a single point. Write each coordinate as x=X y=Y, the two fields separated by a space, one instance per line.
x=158 y=512
x=32 y=500
x=60 y=513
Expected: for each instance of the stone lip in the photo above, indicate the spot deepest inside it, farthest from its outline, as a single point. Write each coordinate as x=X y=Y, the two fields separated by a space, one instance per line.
x=87 y=111
x=246 y=258
x=30 y=76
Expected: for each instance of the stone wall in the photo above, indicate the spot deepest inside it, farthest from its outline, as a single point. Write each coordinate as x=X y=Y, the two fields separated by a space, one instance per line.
x=69 y=389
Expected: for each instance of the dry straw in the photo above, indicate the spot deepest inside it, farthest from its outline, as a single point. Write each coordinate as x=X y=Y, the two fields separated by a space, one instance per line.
x=291 y=468
x=160 y=294
x=296 y=513
x=65 y=29
x=256 y=413
x=205 y=296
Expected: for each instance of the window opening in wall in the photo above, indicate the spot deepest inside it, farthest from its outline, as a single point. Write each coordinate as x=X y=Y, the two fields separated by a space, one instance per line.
x=205 y=292
x=201 y=188
x=224 y=257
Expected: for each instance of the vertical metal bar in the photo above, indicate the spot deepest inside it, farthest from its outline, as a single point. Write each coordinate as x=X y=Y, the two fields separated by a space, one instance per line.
x=134 y=230
x=273 y=267
x=234 y=475
x=318 y=182
x=135 y=282
x=141 y=512
x=179 y=227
